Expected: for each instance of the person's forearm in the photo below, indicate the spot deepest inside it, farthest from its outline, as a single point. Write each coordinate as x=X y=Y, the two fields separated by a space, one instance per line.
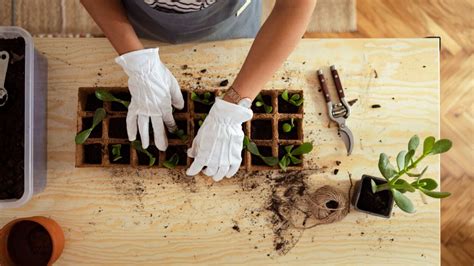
x=276 y=40
x=112 y=19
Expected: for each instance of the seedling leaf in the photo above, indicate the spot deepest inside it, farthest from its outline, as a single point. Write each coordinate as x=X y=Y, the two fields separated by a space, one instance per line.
x=409 y=156
x=268 y=108
x=245 y=142
x=106 y=96
x=258 y=103
x=373 y=185
x=99 y=115
x=427 y=183
x=402 y=201
x=284 y=95
x=294 y=160
x=385 y=168
x=286 y=127
x=172 y=162
x=441 y=146
x=271 y=161
x=288 y=149
x=116 y=150
x=428 y=145
x=435 y=194
x=252 y=148
x=284 y=162
x=304 y=148
x=413 y=143
x=401 y=160
x=403 y=186
x=418 y=175
x=82 y=136
x=137 y=145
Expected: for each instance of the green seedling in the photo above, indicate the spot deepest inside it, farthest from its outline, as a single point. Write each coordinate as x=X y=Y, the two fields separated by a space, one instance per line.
x=137 y=145
x=205 y=99
x=253 y=149
x=106 y=96
x=116 y=149
x=201 y=120
x=406 y=162
x=99 y=115
x=287 y=127
x=290 y=156
x=259 y=102
x=294 y=99
x=172 y=162
x=180 y=134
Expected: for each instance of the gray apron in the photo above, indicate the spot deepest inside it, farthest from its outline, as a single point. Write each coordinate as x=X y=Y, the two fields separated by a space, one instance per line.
x=218 y=21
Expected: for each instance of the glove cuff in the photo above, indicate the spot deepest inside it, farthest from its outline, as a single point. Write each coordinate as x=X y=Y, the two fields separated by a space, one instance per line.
x=140 y=61
x=227 y=112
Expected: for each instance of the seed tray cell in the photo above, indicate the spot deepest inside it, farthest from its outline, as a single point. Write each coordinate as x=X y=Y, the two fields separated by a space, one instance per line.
x=264 y=129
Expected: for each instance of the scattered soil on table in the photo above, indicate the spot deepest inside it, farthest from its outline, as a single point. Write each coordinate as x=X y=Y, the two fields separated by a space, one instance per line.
x=29 y=244
x=293 y=134
x=87 y=123
x=374 y=106
x=267 y=99
x=118 y=107
x=224 y=83
x=378 y=202
x=261 y=129
x=118 y=128
x=352 y=102
x=12 y=122
x=124 y=153
x=93 y=154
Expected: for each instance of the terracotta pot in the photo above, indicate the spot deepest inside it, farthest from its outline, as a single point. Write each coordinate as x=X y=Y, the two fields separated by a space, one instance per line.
x=54 y=230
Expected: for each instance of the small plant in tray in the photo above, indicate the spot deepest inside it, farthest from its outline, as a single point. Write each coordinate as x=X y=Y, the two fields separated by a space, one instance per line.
x=253 y=149
x=116 y=150
x=259 y=102
x=137 y=145
x=292 y=154
x=287 y=127
x=106 y=96
x=294 y=99
x=82 y=136
x=376 y=195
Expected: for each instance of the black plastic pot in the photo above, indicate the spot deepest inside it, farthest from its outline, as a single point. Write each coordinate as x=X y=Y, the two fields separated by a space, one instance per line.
x=364 y=200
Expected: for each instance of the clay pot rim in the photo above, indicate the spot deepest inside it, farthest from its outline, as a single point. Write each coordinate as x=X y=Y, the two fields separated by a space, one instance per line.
x=52 y=227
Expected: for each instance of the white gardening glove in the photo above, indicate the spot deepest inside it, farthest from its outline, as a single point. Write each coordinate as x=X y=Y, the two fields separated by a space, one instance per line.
x=219 y=141
x=154 y=89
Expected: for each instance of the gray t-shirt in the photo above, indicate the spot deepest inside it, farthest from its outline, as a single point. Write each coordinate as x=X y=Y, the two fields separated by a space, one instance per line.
x=179 y=6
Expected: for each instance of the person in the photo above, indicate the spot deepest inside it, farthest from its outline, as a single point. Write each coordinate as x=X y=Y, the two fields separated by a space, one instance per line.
x=217 y=147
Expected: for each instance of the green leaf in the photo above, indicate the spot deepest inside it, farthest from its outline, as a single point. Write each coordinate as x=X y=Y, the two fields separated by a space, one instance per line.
x=435 y=194
x=408 y=157
x=385 y=168
x=271 y=161
x=304 y=148
x=268 y=108
x=172 y=162
x=428 y=145
x=99 y=115
x=284 y=162
x=258 y=103
x=137 y=145
x=207 y=95
x=116 y=150
x=195 y=97
x=284 y=95
x=441 y=146
x=106 y=96
x=181 y=134
x=294 y=160
x=252 y=148
x=427 y=183
x=373 y=185
x=402 y=184
x=402 y=201
x=413 y=143
x=83 y=136
x=418 y=175
x=286 y=127
x=246 y=142
x=288 y=149
x=401 y=160
x=200 y=122
x=259 y=98
x=295 y=97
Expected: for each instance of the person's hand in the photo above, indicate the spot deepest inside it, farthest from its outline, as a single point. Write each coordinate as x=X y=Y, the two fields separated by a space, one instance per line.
x=154 y=89
x=218 y=143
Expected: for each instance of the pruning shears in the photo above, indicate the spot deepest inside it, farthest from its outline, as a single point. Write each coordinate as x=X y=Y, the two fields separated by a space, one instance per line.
x=338 y=112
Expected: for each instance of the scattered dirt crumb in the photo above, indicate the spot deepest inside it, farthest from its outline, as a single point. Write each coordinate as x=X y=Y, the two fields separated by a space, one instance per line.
x=236 y=228
x=203 y=70
x=336 y=171
x=376 y=75
x=352 y=102
x=224 y=83
x=338 y=163
x=374 y=106
x=184 y=67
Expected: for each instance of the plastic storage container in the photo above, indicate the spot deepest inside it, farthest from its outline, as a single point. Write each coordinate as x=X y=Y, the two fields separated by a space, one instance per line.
x=35 y=118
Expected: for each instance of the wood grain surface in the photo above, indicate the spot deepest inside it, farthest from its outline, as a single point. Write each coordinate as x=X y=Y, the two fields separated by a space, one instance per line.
x=130 y=216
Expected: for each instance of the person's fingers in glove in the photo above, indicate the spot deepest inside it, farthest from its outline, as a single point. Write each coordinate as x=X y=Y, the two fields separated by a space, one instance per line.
x=195 y=168
x=210 y=170
x=232 y=170
x=159 y=133
x=169 y=121
x=143 y=128
x=223 y=169
x=176 y=96
x=132 y=126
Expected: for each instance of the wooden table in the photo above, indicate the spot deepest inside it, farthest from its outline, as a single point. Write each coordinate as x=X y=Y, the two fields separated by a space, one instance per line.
x=140 y=216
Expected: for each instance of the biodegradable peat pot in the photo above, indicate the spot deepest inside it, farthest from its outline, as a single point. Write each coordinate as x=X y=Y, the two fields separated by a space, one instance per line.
x=31 y=241
x=364 y=200
x=22 y=118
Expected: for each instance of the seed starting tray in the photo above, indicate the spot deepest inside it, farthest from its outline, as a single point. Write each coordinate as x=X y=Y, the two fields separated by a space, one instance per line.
x=265 y=129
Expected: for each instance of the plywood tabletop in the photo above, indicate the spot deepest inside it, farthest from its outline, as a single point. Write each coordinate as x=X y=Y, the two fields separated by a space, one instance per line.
x=131 y=216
